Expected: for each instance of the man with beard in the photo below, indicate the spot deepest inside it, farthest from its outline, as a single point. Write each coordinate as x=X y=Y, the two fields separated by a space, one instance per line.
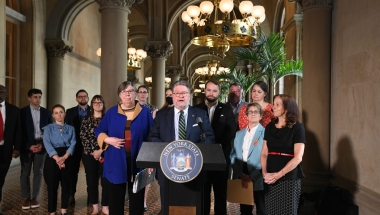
x=74 y=118
x=224 y=126
x=10 y=136
x=235 y=96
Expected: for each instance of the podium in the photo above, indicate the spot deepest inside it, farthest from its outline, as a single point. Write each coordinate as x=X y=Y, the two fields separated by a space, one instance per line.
x=182 y=198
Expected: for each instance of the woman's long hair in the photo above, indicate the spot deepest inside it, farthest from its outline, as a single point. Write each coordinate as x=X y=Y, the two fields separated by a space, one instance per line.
x=291 y=108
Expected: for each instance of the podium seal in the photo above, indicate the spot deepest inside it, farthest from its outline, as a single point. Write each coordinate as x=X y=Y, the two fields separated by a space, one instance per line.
x=181 y=161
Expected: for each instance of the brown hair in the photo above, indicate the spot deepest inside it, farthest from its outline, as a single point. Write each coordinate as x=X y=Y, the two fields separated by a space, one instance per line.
x=166 y=104
x=100 y=98
x=292 y=112
x=214 y=82
x=58 y=106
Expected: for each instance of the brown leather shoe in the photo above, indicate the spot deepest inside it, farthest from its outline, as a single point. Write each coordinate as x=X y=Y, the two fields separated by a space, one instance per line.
x=34 y=203
x=25 y=205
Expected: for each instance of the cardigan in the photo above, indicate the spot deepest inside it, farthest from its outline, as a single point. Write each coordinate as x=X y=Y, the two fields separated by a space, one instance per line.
x=113 y=125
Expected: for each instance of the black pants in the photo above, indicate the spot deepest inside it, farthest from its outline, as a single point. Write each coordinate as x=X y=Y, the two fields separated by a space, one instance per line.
x=136 y=200
x=4 y=167
x=116 y=197
x=259 y=200
x=94 y=171
x=77 y=156
x=218 y=181
x=53 y=175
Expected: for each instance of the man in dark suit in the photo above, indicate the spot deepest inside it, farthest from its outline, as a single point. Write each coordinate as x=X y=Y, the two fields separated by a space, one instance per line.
x=166 y=124
x=223 y=123
x=33 y=119
x=10 y=136
x=74 y=118
x=235 y=99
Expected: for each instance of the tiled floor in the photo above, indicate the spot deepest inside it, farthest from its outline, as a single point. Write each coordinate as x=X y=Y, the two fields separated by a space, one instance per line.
x=12 y=197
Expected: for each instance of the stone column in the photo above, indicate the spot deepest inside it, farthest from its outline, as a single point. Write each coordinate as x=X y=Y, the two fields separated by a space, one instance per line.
x=298 y=18
x=174 y=72
x=56 y=50
x=158 y=51
x=114 y=44
x=250 y=71
x=140 y=74
x=316 y=47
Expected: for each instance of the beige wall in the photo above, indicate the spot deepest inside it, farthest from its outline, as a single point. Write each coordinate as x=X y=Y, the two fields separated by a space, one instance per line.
x=40 y=59
x=85 y=32
x=80 y=73
x=355 y=112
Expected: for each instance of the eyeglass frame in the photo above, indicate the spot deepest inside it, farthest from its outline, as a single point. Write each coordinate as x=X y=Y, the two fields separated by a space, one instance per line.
x=181 y=94
x=125 y=92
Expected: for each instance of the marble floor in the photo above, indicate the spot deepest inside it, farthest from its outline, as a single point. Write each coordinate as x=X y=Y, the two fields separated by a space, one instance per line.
x=12 y=197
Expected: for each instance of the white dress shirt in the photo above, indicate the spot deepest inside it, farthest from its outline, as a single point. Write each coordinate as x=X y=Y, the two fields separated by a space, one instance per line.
x=248 y=141
x=211 y=110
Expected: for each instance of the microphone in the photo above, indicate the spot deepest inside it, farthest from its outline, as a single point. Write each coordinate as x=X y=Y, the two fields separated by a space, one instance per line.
x=200 y=123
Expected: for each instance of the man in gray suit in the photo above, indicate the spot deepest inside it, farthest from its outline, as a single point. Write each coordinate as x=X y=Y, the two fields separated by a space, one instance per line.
x=235 y=96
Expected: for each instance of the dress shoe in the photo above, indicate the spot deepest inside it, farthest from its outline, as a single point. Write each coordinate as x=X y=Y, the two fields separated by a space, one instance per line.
x=34 y=203
x=25 y=204
x=146 y=209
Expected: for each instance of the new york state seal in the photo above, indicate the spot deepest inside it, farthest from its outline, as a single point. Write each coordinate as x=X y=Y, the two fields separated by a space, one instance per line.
x=181 y=161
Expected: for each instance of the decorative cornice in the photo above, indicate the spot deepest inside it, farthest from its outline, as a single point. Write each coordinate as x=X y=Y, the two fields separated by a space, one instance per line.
x=308 y=4
x=126 y=4
x=174 y=70
x=57 y=48
x=158 y=49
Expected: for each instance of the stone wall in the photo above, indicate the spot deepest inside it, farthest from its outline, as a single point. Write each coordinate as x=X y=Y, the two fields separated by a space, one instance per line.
x=355 y=111
x=81 y=68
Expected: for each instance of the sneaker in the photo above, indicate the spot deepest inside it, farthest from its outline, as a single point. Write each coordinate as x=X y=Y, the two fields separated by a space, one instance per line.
x=34 y=203
x=26 y=204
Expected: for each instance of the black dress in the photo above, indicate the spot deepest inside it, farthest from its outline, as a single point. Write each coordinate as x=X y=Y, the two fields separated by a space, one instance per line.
x=282 y=197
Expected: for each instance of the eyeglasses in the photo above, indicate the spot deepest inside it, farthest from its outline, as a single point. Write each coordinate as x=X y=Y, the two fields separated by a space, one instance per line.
x=97 y=103
x=82 y=97
x=181 y=94
x=142 y=92
x=124 y=92
x=253 y=112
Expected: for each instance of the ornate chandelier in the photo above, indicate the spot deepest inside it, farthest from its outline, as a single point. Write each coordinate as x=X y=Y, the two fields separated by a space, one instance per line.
x=225 y=31
x=212 y=68
x=134 y=57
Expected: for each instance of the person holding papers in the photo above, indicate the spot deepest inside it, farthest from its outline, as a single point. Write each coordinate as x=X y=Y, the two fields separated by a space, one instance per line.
x=245 y=158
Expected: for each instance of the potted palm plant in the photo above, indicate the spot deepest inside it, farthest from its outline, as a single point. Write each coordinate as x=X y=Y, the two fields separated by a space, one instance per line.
x=270 y=56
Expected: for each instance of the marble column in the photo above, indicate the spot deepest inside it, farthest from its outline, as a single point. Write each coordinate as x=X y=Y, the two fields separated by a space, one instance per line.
x=316 y=100
x=56 y=50
x=114 y=44
x=298 y=18
x=174 y=72
x=158 y=51
x=250 y=71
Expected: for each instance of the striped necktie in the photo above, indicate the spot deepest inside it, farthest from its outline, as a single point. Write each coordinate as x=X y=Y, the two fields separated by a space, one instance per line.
x=181 y=126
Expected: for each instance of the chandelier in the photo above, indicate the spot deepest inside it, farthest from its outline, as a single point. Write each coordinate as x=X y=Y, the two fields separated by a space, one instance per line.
x=228 y=30
x=134 y=57
x=212 y=68
x=149 y=80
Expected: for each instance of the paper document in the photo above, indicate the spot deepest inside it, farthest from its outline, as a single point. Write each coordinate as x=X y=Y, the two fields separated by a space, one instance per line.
x=237 y=194
x=142 y=179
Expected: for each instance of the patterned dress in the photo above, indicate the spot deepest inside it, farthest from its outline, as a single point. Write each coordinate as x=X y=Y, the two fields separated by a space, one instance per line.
x=150 y=107
x=267 y=116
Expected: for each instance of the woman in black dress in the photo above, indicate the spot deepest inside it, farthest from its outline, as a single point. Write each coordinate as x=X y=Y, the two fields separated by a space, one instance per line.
x=283 y=148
